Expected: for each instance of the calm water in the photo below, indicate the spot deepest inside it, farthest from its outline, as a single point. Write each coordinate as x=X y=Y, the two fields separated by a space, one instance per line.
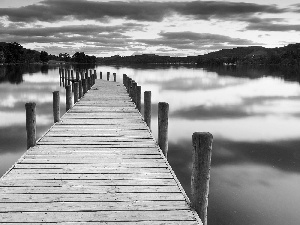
x=253 y=114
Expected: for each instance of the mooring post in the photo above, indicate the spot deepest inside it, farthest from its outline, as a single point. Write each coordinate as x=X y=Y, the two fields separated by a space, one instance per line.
x=129 y=83
x=147 y=108
x=68 y=97
x=115 y=77
x=84 y=86
x=88 y=83
x=56 y=101
x=124 y=80
x=80 y=89
x=76 y=92
x=31 y=124
x=201 y=162
x=138 y=97
x=134 y=85
x=108 y=75
x=69 y=77
x=163 y=114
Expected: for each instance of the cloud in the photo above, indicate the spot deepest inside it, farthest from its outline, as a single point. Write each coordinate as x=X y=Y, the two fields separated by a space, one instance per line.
x=55 y=10
x=265 y=26
x=193 y=40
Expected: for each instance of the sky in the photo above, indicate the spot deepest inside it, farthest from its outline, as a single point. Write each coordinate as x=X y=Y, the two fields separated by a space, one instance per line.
x=176 y=28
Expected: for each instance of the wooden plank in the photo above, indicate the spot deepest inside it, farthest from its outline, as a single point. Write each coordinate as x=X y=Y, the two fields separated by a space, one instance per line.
x=97 y=216
x=68 y=183
x=100 y=197
x=89 y=189
x=93 y=206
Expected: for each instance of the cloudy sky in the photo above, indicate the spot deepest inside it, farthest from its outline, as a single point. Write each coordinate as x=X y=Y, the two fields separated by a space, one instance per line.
x=176 y=27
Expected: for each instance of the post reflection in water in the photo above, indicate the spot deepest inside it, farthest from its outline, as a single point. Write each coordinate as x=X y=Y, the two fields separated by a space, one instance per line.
x=253 y=114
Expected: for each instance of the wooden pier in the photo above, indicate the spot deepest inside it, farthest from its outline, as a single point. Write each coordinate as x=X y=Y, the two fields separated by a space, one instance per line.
x=98 y=165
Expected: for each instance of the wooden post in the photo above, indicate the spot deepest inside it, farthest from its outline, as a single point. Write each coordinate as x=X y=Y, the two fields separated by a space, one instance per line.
x=134 y=85
x=115 y=77
x=84 y=86
x=95 y=73
x=101 y=75
x=163 y=111
x=31 y=124
x=201 y=161
x=88 y=83
x=138 y=97
x=68 y=97
x=124 y=80
x=108 y=76
x=129 y=82
x=69 y=77
x=56 y=101
x=80 y=89
x=76 y=92
x=147 y=108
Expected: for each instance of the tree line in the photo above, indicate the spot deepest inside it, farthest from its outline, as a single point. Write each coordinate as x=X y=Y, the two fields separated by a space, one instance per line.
x=11 y=53
x=14 y=53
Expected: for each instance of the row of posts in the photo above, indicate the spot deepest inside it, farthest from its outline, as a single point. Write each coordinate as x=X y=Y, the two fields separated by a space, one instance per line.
x=79 y=85
x=201 y=141
x=202 y=147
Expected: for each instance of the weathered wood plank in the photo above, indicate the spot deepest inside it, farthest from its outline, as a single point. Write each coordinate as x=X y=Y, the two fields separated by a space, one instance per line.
x=97 y=216
x=93 y=206
x=108 y=197
x=67 y=183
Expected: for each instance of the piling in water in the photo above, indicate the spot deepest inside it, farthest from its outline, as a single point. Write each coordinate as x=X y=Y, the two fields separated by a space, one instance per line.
x=56 y=101
x=31 y=124
x=147 y=108
x=163 y=114
x=68 y=97
x=201 y=162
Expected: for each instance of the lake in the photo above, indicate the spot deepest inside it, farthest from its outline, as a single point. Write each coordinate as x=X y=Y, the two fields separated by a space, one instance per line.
x=253 y=114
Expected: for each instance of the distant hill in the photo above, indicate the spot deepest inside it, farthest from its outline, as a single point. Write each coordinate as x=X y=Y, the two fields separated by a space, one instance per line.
x=254 y=55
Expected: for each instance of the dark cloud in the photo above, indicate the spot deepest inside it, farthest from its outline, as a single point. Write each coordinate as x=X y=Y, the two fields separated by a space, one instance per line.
x=265 y=26
x=192 y=40
x=54 y=10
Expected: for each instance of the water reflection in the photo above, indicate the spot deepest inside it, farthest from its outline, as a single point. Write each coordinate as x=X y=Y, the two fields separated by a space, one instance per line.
x=253 y=114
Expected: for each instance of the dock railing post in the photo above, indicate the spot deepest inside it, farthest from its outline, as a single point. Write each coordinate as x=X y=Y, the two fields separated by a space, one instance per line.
x=31 y=124
x=201 y=162
x=76 y=92
x=115 y=77
x=138 y=97
x=56 y=101
x=68 y=97
x=163 y=114
x=147 y=108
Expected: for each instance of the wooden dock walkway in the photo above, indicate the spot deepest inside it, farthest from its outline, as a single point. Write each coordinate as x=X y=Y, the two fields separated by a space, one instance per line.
x=98 y=165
